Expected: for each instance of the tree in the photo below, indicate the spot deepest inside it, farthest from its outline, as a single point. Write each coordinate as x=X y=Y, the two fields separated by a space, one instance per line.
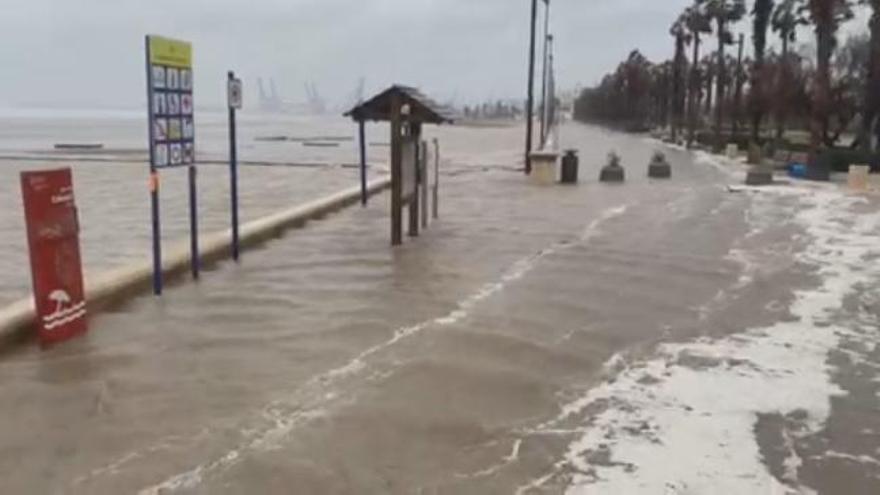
x=723 y=13
x=697 y=23
x=709 y=74
x=785 y=21
x=851 y=68
x=738 y=82
x=871 y=98
x=761 y=13
x=661 y=92
x=679 y=67
x=826 y=17
x=629 y=97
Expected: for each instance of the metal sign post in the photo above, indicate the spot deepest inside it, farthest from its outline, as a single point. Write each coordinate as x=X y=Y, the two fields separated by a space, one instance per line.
x=171 y=126
x=234 y=96
x=436 y=203
x=195 y=265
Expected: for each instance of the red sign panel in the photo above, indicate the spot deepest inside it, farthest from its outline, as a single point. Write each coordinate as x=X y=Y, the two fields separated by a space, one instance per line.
x=53 y=240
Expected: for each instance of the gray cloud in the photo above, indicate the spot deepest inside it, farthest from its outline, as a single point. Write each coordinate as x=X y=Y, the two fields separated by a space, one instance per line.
x=90 y=52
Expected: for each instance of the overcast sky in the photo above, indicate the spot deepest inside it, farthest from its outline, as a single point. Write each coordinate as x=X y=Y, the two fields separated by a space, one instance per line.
x=90 y=52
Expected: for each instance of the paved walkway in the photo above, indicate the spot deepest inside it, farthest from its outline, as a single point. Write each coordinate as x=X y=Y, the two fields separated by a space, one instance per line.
x=534 y=339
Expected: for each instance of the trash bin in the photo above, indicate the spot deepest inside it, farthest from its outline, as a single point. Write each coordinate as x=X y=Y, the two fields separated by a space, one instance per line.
x=819 y=169
x=569 y=173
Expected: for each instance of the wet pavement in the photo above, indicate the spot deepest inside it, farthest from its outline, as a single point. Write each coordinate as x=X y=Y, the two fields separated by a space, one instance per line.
x=652 y=337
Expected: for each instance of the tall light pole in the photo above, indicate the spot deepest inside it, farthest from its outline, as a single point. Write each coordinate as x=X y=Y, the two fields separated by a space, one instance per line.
x=546 y=123
x=547 y=40
x=530 y=101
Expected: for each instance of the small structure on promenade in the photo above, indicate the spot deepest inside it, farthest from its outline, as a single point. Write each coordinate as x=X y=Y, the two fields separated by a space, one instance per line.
x=613 y=171
x=659 y=168
x=544 y=167
x=406 y=109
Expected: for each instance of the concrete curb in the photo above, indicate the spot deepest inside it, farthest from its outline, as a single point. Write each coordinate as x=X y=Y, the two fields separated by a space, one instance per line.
x=118 y=285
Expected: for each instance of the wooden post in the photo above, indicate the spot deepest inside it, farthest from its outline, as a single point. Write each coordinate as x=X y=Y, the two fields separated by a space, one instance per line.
x=396 y=186
x=423 y=175
x=363 y=146
x=415 y=135
x=436 y=203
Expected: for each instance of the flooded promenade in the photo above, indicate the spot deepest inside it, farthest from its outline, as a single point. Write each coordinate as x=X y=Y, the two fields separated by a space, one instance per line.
x=653 y=337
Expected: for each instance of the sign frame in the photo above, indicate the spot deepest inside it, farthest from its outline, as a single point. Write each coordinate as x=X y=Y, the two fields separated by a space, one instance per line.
x=171 y=113
x=234 y=93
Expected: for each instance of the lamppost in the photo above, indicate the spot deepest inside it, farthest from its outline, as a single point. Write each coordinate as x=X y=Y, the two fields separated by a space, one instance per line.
x=547 y=104
x=530 y=100
x=548 y=38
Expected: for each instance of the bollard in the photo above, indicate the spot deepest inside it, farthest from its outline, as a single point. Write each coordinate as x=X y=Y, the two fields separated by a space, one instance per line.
x=543 y=167
x=759 y=175
x=659 y=168
x=569 y=174
x=858 y=177
x=613 y=171
x=732 y=151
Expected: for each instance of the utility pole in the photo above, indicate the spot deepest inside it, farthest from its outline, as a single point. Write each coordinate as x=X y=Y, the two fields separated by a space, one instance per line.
x=547 y=40
x=530 y=101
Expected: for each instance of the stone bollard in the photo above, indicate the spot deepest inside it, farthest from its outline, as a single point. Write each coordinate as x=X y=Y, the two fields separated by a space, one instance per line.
x=659 y=168
x=759 y=174
x=732 y=151
x=612 y=172
x=544 y=167
x=858 y=177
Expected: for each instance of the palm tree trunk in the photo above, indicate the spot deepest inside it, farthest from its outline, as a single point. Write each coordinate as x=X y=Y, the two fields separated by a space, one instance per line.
x=737 y=93
x=719 y=93
x=872 y=85
x=819 y=125
x=678 y=100
x=692 y=93
x=710 y=79
x=782 y=101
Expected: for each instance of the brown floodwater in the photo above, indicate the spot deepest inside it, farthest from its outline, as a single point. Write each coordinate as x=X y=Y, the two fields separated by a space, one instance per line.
x=472 y=359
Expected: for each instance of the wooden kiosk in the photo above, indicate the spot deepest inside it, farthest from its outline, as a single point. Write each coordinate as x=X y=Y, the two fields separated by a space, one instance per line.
x=406 y=109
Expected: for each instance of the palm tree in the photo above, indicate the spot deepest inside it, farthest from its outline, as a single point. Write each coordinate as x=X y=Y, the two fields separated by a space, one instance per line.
x=738 y=83
x=785 y=21
x=723 y=13
x=761 y=20
x=709 y=74
x=697 y=24
x=679 y=66
x=826 y=17
x=871 y=104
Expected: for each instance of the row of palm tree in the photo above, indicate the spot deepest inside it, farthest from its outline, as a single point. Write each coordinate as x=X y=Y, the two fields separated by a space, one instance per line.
x=785 y=85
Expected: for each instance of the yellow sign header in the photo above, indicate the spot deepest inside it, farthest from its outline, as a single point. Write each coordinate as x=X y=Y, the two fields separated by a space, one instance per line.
x=173 y=53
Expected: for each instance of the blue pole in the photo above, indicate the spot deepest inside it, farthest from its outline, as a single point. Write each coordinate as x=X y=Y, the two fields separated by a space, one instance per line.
x=157 y=232
x=233 y=177
x=363 y=143
x=154 y=180
x=194 y=223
